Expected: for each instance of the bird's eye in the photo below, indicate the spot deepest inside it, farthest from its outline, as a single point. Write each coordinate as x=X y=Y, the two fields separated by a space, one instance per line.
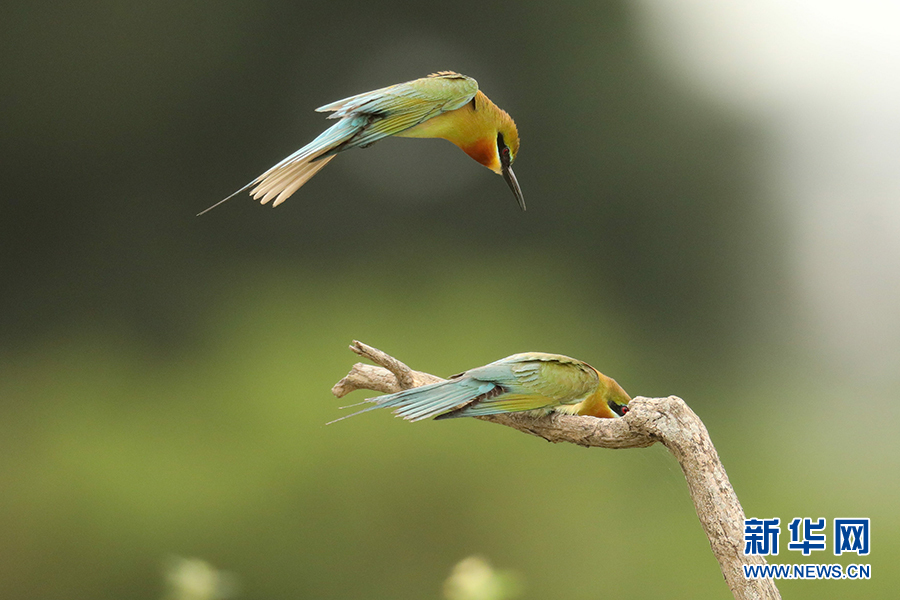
x=619 y=409
x=503 y=151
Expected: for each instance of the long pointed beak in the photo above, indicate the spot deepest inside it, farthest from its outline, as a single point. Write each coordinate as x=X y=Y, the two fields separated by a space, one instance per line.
x=510 y=178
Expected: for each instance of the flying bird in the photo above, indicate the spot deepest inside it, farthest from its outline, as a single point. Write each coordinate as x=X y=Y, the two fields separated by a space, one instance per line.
x=444 y=105
x=532 y=381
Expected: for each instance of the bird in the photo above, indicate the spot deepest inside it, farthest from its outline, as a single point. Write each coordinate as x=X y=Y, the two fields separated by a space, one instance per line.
x=532 y=381
x=445 y=105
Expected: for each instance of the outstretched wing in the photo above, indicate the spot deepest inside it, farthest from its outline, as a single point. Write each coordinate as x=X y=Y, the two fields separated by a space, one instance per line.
x=396 y=108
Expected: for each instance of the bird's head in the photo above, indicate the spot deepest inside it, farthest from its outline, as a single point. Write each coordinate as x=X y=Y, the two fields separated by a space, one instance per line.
x=617 y=399
x=608 y=400
x=494 y=141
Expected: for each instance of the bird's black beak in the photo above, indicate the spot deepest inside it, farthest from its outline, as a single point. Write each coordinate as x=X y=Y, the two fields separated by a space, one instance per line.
x=619 y=409
x=506 y=169
x=510 y=178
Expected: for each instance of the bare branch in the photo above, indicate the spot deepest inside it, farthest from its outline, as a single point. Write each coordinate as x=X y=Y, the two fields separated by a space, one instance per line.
x=391 y=376
x=649 y=420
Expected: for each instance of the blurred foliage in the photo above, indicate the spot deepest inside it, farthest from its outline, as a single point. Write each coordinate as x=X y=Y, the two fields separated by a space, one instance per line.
x=196 y=579
x=164 y=380
x=474 y=579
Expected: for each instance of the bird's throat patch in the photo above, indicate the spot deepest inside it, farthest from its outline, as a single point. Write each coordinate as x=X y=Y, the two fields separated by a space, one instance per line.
x=485 y=152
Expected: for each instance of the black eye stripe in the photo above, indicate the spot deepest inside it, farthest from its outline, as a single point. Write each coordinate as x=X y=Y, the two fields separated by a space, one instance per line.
x=503 y=150
x=619 y=409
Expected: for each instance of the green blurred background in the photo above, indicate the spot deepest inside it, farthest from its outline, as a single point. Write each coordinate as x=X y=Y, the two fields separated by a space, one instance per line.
x=712 y=213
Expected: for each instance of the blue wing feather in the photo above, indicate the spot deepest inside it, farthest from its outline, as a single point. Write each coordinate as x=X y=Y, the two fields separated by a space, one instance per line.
x=432 y=400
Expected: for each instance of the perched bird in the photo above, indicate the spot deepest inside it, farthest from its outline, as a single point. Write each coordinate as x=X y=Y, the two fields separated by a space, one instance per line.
x=443 y=105
x=532 y=381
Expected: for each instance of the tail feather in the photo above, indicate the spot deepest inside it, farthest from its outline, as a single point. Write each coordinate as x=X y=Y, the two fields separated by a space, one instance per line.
x=359 y=412
x=424 y=406
x=416 y=405
x=431 y=400
x=281 y=183
x=283 y=171
x=312 y=169
x=225 y=199
x=275 y=176
x=289 y=175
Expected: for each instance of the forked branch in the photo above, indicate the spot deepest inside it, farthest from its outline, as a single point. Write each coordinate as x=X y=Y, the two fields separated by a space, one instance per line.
x=668 y=421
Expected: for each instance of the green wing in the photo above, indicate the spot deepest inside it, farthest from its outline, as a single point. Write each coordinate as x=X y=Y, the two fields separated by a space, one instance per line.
x=394 y=109
x=530 y=381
